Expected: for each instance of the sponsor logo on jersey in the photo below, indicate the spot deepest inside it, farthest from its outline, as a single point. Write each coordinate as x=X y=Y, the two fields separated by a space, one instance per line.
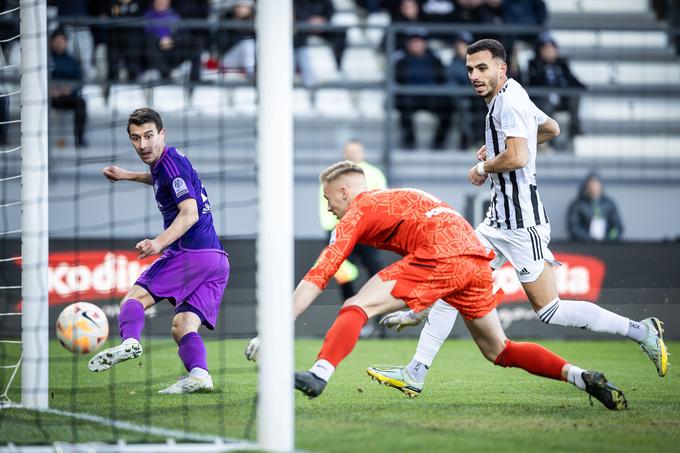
x=180 y=187
x=439 y=210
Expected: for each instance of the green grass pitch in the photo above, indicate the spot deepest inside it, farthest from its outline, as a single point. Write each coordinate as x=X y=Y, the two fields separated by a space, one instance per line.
x=467 y=405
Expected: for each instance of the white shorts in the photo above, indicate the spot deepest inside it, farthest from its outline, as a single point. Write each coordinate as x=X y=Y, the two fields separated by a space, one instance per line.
x=525 y=248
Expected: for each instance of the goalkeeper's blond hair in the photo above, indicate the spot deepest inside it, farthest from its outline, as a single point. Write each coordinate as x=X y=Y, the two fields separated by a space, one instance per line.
x=338 y=169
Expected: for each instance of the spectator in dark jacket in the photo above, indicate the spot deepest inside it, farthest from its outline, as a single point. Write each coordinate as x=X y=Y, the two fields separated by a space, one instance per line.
x=67 y=79
x=237 y=46
x=593 y=216
x=405 y=12
x=471 y=109
x=550 y=70
x=127 y=46
x=317 y=12
x=419 y=66
x=167 y=44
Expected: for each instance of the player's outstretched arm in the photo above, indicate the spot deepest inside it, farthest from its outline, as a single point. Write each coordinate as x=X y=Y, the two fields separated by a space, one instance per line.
x=548 y=130
x=303 y=296
x=186 y=218
x=114 y=173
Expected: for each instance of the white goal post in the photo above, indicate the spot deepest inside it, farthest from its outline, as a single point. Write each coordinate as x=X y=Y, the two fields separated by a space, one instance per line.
x=34 y=194
x=275 y=408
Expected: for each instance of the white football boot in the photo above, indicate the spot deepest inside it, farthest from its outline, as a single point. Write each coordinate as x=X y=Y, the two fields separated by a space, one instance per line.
x=107 y=358
x=188 y=384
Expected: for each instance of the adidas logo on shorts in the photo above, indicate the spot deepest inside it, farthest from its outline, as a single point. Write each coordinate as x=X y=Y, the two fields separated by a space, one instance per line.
x=524 y=271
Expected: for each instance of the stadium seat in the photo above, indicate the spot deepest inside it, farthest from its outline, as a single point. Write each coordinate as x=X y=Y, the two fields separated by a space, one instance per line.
x=168 y=98
x=616 y=108
x=322 y=62
x=579 y=38
x=355 y=35
x=244 y=100
x=599 y=6
x=123 y=99
x=94 y=97
x=302 y=104
x=371 y=104
x=375 y=35
x=626 y=73
x=208 y=100
x=627 y=146
x=344 y=5
x=335 y=103
x=362 y=64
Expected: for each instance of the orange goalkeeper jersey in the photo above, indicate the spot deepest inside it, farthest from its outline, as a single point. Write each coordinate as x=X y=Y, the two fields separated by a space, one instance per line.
x=405 y=221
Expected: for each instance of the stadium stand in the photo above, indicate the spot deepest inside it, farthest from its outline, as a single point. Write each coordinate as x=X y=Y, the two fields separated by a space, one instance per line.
x=620 y=50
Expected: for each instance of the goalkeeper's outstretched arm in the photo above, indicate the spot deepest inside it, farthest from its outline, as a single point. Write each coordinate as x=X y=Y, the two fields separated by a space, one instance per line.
x=114 y=173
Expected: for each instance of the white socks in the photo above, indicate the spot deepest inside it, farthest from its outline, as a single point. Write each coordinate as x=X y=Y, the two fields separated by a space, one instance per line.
x=437 y=328
x=417 y=370
x=636 y=331
x=128 y=341
x=575 y=377
x=199 y=373
x=322 y=369
x=586 y=315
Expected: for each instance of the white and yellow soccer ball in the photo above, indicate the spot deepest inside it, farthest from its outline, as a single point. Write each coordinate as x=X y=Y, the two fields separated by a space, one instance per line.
x=82 y=327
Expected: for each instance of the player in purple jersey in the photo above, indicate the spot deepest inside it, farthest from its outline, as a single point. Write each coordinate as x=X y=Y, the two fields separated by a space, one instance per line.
x=193 y=270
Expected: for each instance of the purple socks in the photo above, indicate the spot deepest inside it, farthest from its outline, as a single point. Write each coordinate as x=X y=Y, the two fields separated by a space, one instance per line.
x=192 y=351
x=131 y=320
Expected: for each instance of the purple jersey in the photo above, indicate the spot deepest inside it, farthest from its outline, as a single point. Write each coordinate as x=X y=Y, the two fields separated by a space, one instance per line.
x=175 y=180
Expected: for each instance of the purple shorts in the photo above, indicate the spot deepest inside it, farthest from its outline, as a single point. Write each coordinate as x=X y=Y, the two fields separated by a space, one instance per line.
x=192 y=280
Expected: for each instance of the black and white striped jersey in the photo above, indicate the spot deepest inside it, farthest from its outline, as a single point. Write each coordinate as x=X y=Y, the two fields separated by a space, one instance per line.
x=515 y=202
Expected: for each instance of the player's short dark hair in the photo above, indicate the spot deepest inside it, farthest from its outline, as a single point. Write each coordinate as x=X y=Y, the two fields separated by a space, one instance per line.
x=494 y=47
x=143 y=116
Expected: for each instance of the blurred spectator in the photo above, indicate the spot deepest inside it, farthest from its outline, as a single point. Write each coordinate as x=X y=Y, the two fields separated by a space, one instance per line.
x=471 y=12
x=370 y=6
x=406 y=12
x=9 y=22
x=80 y=39
x=593 y=216
x=521 y=13
x=316 y=12
x=4 y=116
x=237 y=46
x=525 y=12
x=9 y=28
x=126 y=48
x=363 y=254
x=438 y=11
x=548 y=69
x=196 y=39
x=471 y=109
x=4 y=102
x=67 y=79
x=167 y=45
x=419 y=66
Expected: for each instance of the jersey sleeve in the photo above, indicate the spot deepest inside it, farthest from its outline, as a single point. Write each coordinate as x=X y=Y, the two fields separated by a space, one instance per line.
x=540 y=116
x=347 y=233
x=514 y=119
x=180 y=175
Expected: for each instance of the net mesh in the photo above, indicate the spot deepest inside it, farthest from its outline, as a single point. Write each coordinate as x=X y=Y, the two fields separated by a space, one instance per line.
x=94 y=226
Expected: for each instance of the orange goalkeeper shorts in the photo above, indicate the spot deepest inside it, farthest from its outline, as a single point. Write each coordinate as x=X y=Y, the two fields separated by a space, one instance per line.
x=464 y=282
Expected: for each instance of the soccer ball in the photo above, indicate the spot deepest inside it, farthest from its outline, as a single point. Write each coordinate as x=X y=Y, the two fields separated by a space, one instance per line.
x=82 y=327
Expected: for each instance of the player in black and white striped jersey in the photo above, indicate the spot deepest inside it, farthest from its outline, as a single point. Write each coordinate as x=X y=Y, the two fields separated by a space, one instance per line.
x=516 y=225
